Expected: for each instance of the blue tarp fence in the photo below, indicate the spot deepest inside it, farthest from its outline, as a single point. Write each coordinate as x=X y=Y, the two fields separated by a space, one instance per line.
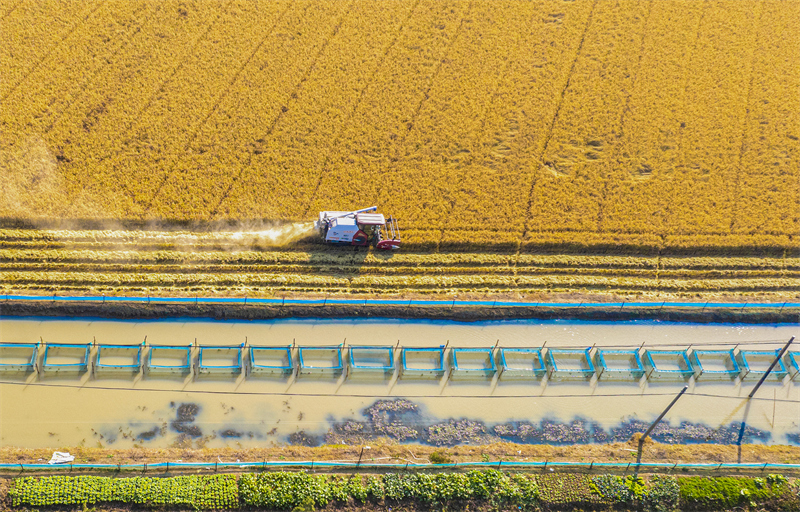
x=349 y=466
x=396 y=302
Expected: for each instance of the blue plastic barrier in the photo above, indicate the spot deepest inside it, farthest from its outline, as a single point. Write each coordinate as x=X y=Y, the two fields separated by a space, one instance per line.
x=165 y=467
x=395 y=302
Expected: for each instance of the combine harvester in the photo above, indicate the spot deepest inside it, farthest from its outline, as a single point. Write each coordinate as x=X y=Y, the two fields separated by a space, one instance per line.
x=359 y=228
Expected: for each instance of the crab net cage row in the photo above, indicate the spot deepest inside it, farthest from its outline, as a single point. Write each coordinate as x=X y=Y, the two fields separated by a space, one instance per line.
x=411 y=362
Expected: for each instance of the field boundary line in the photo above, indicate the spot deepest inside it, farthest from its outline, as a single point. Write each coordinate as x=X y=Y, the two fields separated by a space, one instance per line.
x=395 y=302
x=50 y=51
x=557 y=466
x=216 y=104
x=357 y=104
x=291 y=99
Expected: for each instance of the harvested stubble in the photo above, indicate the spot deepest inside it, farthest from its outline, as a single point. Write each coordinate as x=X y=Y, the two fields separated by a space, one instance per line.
x=163 y=263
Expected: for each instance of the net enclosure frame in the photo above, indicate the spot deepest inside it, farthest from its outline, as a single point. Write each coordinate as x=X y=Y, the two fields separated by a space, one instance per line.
x=779 y=372
x=271 y=369
x=169 y=368
x=507 y=370
x=660 y=373
x=308 y=369
x=79 y=367
x=458 y=371
x=706 y=374
x=205 y=368
x=436 y=371
x=793 y=360
x=28 y=366
x=603 y=357
x=571 y=373
x=386 y=369
x=134 y=368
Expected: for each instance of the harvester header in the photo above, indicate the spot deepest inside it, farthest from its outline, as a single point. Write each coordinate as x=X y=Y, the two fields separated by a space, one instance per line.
x=359 y=227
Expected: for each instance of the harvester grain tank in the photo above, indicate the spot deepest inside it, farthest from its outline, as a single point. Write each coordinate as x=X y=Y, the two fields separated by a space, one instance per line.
x=359 y=227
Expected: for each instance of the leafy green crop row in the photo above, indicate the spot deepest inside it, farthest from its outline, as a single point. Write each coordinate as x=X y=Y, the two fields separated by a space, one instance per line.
x=288 y=490
x=661 y=495
x=701 y=493
x=198 y=492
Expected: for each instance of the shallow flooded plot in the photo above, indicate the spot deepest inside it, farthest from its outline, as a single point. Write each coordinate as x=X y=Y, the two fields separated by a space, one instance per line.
x=320 y=360
x=18 y=357
x=755 y=363
x=119 y=358
x=162 y=409
x=169 y=359
x=715 y=364
x=619 y=364
x=66 y=358
x=570 y=364
x=271 y=360
x=668 y=365
x=220 y=359
x=522 y=363
x=423 y=362
x=473 y=362
x=372 y=358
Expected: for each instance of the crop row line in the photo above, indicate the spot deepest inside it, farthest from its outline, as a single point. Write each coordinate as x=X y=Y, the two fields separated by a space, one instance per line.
x=347 y=258
x=786 y=285
x=378 y=270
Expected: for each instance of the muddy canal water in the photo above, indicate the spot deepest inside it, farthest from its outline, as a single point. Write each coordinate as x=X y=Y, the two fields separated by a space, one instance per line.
x=123 y=409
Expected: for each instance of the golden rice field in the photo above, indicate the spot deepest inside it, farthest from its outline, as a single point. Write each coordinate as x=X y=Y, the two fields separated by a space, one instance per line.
x=615 y=146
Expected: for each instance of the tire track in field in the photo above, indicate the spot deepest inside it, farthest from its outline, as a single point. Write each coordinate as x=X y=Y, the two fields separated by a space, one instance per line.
x=356 y=106
x=431 y=81
x=137 y=117
x=551 y=127
x=108 y=61
x=685 y=92
x=512 y=53
x=625 y=110
x=292 y=99
x=175 y=69
x=737 y=185
x=11 y=10
x=427 y=95
x=216 y=105
x=47 y=55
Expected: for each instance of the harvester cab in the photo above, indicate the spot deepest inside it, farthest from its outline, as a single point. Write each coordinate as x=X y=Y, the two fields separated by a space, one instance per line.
x=360 y=227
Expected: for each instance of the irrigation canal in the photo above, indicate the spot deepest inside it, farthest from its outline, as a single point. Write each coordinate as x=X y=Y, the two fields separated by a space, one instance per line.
x=470 y=401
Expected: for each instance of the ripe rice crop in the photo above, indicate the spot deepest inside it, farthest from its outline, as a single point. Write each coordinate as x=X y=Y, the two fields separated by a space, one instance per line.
x=660 y=128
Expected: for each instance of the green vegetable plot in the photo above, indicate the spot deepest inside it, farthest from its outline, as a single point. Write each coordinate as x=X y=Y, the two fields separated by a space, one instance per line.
x=284 y=490
x=198 y=492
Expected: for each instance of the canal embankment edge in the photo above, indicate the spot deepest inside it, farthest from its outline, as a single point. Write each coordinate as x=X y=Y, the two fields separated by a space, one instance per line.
x=146 y=309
